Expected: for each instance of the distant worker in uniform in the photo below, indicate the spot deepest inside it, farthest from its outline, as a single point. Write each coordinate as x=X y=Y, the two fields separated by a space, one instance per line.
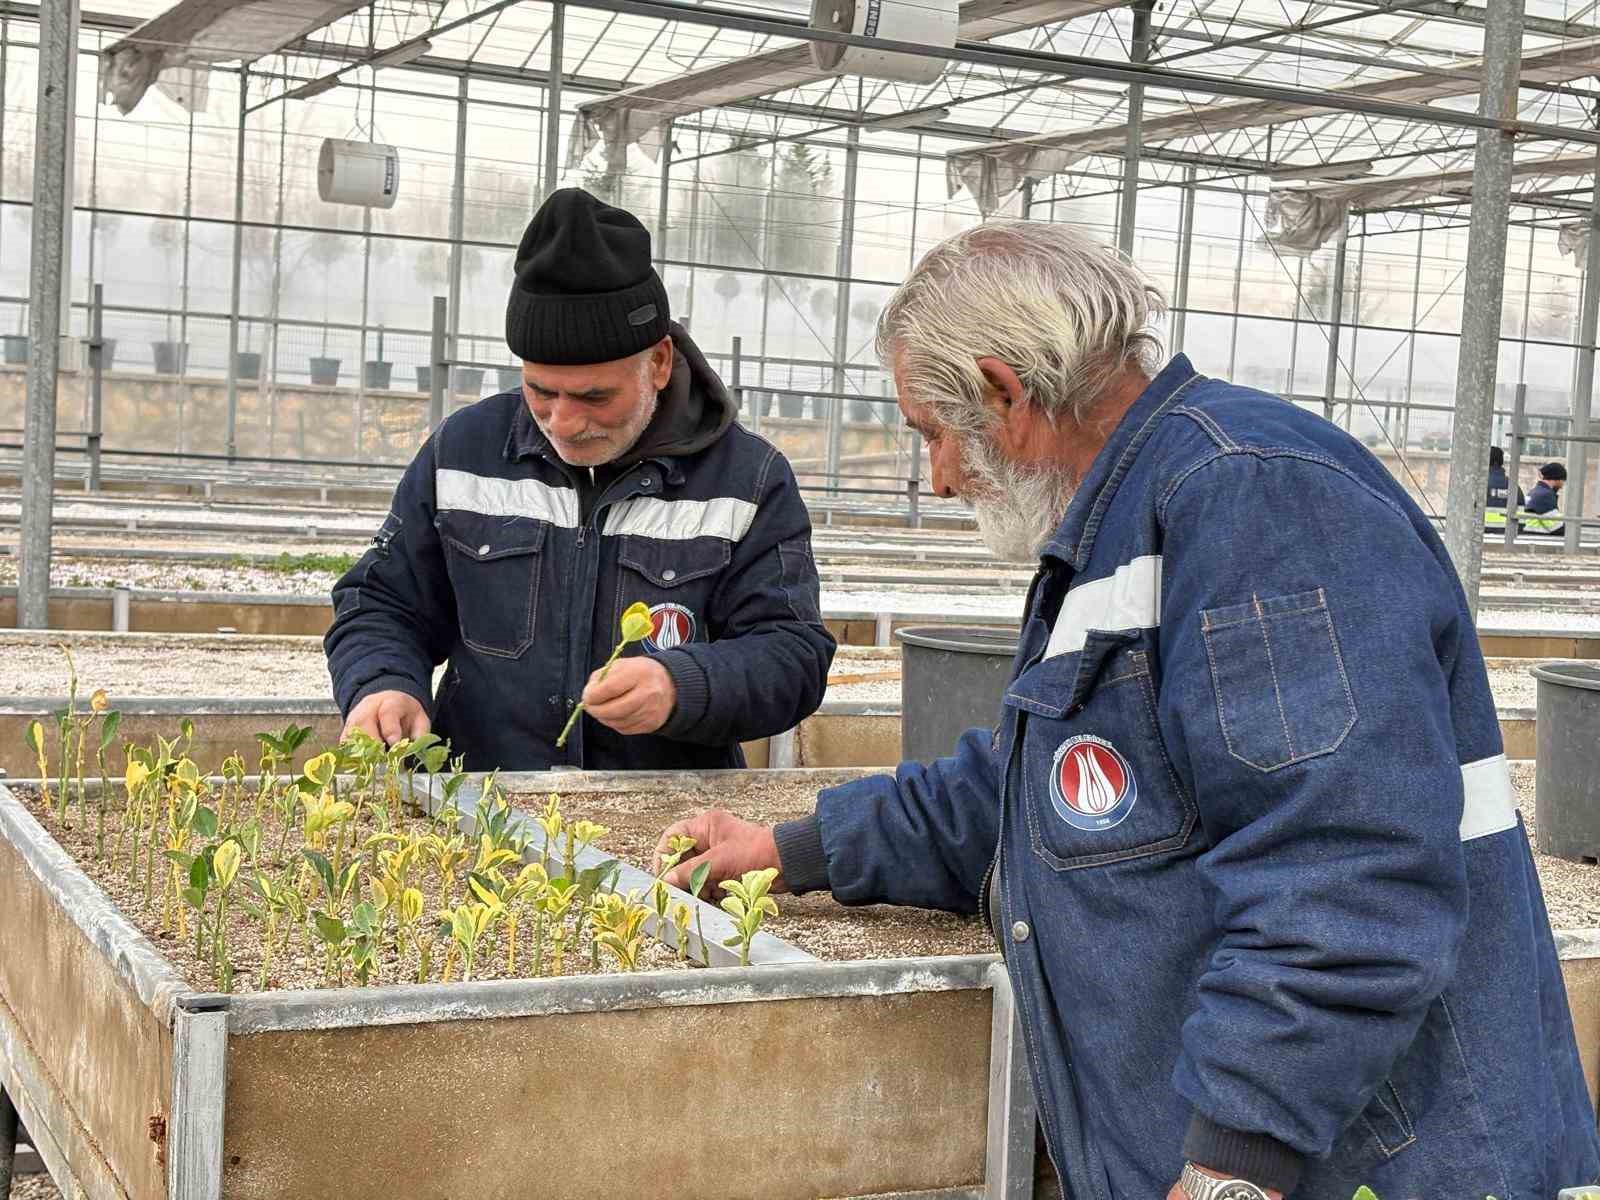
x=530 y=521
x=1494 y=513
x=1543 y=500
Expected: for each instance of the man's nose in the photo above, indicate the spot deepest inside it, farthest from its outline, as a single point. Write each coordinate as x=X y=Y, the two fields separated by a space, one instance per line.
x=944 y=481
x=567 y=418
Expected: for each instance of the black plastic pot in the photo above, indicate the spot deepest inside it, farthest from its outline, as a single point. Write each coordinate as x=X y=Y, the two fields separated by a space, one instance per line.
x=424 y=379
x=18 y=348
x=1566 y=785
x=862 y=411
x=324 y=371
x=509 y=378
x=247 y=364
x=376 y=374
x=172 y=358
x=952 y=678
x=468 y=381
x=791 y=406
x=108 y=354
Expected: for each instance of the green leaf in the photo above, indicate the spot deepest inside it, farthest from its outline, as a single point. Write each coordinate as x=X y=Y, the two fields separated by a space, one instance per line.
x=178 y=856
x=330 y=929
x=200 y=874
x=205 y=822
x=1364 y=1193
x=186 y=727
x=108 y=728
x=732 y=941
x=195 y=898
x=323 y=868
x=253 y=911
x=697 y=879
x=34 y=736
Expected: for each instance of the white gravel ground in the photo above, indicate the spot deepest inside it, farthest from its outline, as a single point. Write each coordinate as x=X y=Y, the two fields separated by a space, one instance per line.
x=176 y=576
x=1571 y=890
x=151 y=665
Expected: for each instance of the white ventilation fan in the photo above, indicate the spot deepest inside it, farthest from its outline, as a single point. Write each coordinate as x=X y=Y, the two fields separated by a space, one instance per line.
x=366 y=173
x=925 y=22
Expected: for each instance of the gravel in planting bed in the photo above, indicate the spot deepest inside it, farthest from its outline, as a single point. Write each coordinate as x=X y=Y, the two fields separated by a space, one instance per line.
x=178 y=576
x=816 y=923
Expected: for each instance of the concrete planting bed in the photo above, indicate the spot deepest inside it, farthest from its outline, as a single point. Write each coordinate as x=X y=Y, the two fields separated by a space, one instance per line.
x=793 y=1077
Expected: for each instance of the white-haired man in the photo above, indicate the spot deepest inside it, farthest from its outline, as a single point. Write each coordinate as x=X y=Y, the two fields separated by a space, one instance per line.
x=1244 y=830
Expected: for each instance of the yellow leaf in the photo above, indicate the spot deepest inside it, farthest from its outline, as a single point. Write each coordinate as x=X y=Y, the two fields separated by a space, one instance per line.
x=410 y=905
x=98 y=701
x=134 y=777
x=636 y=622
x=320 y=769
x=225 y=863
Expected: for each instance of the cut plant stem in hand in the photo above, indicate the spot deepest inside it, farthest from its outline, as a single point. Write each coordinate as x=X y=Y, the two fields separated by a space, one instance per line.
x=635 y=628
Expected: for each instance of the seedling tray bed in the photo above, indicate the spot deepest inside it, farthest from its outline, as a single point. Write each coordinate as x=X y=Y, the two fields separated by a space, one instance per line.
x=831 y=1078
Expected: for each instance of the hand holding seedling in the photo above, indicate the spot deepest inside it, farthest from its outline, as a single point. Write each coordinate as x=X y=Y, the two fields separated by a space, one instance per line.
x=729 y=845
x=634 y=627
x=637 y=697
x=389 y=717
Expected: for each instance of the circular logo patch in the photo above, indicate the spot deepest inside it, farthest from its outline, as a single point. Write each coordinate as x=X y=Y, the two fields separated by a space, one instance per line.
x=1091 y=785
x=670 y=625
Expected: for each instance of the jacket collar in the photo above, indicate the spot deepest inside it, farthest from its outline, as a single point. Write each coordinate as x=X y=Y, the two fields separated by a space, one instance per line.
x=1073 y=540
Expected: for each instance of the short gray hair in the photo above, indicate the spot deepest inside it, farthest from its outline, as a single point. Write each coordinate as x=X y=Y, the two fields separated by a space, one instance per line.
x=1066 y=312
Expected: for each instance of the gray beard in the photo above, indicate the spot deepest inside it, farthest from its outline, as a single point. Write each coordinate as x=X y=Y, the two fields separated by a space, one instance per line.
x=1018 y=508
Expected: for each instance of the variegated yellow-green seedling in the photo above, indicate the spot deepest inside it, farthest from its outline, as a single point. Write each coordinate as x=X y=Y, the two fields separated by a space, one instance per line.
x=635 y=627
x=550 y=821
x=34 y=736
x=110 y=719
x=467 y=923
x=554 y=902
x=619 y=927
x=748 y=903
x=275 y=901
x=225 y=863
x=680 y=924
x=697 y=884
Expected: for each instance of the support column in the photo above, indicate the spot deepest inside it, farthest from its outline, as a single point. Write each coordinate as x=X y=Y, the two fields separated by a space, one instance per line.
x=663 y=202
x=1133 y=146
x=1330 y=377
x=1583 y=390
x=1485 y=284
x=552 y=116
x=1180 y=293
x=238 y=262
x=458 y=218
x=51 y=154
x=841 y=312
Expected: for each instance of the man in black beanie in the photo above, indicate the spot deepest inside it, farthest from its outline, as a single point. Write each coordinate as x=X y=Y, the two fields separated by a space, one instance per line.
x=530 y=521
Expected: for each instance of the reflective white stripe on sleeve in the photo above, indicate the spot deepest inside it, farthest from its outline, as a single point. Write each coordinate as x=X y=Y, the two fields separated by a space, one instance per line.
x=505 y=497
x=1129 y=598
x=1489 y=805
x=680 y=520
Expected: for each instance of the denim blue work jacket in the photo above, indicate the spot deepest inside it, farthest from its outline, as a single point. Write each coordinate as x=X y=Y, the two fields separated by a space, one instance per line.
x=1260 y=878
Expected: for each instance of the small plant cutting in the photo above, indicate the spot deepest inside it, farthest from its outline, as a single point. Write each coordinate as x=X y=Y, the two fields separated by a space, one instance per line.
x=635 y=628
x=748 y=903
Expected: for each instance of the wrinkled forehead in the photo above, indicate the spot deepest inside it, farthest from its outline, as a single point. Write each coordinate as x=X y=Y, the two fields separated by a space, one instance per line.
x=586 y=379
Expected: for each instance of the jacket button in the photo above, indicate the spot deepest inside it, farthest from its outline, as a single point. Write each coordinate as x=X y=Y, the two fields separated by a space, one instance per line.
x=644 y=481
x=483 y=549
x=1020 y=931
x=669 y=574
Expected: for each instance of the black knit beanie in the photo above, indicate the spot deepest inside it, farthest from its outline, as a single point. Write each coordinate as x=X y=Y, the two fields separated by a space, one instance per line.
x=585 y=291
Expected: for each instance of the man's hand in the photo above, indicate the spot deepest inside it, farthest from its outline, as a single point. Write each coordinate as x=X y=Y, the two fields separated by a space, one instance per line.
x=637 y=696
x=730 y=844
x=1176 y=1192
x=389 y=717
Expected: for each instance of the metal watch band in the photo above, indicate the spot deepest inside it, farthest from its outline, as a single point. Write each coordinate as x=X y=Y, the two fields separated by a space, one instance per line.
x=1197 y=1185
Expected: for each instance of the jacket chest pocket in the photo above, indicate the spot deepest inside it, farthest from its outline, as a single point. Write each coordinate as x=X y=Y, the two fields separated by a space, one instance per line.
x=495 y=569
x=1097 y=784
x=676 y=578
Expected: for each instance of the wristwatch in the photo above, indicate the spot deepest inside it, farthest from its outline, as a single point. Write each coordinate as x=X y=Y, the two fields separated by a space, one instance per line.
x=1197 y=1185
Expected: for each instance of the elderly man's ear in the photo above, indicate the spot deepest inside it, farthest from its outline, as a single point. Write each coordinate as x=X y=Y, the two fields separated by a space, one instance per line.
x=1017 y=418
